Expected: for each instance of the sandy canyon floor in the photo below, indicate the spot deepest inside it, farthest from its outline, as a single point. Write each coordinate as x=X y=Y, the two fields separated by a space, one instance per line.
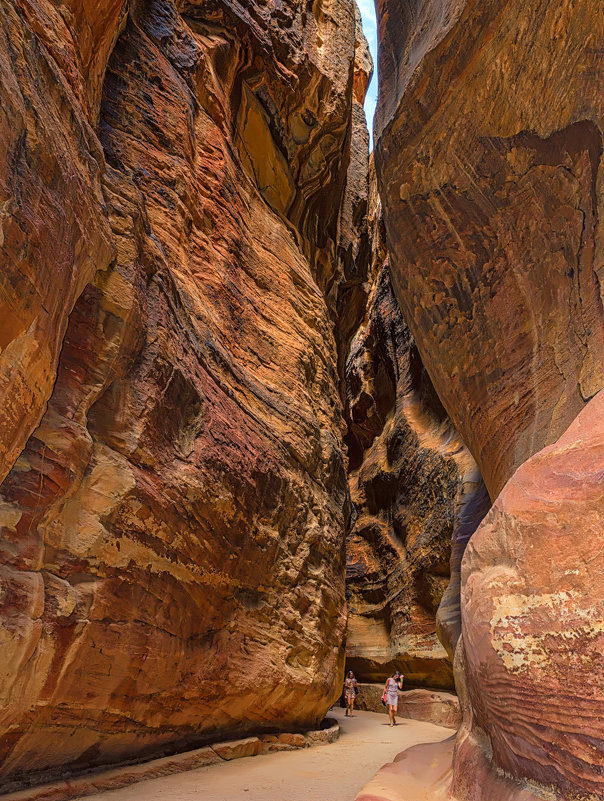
x=335 y=772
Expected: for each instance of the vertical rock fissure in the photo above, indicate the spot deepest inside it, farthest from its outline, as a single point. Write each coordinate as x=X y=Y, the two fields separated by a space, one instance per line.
x=417 y=496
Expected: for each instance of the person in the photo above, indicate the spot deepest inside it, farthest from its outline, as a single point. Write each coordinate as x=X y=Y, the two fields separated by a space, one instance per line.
x=393 y=684
x=350 y=692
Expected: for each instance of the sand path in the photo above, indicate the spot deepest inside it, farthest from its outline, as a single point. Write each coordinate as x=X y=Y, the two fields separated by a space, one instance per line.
x=324 y=773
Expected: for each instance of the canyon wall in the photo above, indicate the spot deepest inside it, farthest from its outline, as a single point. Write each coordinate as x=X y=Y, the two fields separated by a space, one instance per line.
x=533 y=606
x=199 y=300
x=489 y=163
x=173 y=183
x=415 y=490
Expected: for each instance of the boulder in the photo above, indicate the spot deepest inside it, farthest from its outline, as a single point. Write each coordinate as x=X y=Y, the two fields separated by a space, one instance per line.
x=237 y=749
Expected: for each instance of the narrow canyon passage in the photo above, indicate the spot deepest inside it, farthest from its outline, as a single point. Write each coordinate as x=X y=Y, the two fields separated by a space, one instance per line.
x=273 y=407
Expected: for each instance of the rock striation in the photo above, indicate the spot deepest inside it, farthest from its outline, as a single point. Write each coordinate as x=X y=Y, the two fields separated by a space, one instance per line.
x=175 y=496
x=205 y=304
x=533 y=605
x=488 y=158
x=415 y=490
x=529 y=665
x=54 y=231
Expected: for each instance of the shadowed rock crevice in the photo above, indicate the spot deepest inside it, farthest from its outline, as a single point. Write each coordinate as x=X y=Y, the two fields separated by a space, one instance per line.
x=416 y=490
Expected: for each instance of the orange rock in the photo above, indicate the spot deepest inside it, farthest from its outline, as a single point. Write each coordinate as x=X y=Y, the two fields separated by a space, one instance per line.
x=415 y=487
x=297 y=740
x=421 y=773
x=54 y=232
x=487 y=154
x=532 y=641
x=174 y=510
x=533 y=604
x=236 y=749
x=488 y=159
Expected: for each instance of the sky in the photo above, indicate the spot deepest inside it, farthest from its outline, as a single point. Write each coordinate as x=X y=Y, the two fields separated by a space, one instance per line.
x=367 y=10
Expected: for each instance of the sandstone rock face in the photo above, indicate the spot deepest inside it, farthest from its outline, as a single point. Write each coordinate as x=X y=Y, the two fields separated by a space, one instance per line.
x=415 y=488
x=489 y=161
x=421 y=773
x=174 y=506
x=360 y=219
x=529 y=660
x=489 y=153
x=533 y=605
x=54 y=234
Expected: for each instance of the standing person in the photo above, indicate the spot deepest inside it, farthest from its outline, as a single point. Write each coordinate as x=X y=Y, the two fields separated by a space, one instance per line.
x=393 y=684
x=350 y=692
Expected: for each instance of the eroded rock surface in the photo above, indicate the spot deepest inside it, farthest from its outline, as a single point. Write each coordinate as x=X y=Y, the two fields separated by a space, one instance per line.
x=489 y=161
x=420 y=773
x=533 y=605
x=488 y=156
x=54 y=233
x=415 y=489
x=172 y=541
x=530 y=656
x=432 y=706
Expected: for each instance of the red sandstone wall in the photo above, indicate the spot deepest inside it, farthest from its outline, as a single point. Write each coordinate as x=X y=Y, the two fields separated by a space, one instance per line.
x=173 y=511
x=489 y=158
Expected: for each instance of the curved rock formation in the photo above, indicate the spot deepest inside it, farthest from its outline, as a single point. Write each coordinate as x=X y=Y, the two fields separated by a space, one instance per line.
x=489 y=162
x=533 y=606
x=54 y=233
x=172 y=540
x=415 y=488
x=488 y=158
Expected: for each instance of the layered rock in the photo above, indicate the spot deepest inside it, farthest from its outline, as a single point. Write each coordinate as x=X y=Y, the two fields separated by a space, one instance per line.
x=359 y=224
x=431 y=706
x=533 y=606
x=54 y=233
x=415 y=489
x=172 y=542
x=488 y=156
x=489 y=163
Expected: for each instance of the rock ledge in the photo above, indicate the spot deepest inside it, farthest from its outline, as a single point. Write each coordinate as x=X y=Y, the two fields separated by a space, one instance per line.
x=123 y=776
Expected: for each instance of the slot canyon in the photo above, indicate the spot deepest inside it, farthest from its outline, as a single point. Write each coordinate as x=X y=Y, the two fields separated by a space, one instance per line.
x=274 y=406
